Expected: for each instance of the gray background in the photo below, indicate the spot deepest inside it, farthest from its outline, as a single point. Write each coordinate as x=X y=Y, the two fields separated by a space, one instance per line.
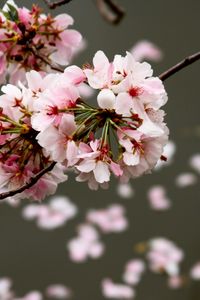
x=35 y=258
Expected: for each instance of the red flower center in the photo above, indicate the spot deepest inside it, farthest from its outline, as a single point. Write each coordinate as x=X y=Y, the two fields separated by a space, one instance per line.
x=135 y=91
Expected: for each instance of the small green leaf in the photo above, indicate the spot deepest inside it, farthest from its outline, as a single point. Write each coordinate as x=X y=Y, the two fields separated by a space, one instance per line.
x=11 y=14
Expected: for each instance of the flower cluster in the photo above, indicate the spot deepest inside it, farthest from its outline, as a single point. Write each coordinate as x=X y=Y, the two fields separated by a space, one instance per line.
x=52 y=215
x=55 y=291
x=133 y=271
x=164 y=256
x=47 y=120
x=109 y=220
x=86 y=245
x=114 y=290
x=30 y=40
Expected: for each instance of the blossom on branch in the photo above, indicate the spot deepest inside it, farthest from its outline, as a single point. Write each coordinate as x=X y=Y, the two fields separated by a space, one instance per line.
x=46 y=120
x=31 y=40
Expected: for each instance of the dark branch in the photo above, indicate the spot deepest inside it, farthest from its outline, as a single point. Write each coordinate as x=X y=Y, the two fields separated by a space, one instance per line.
x=54 y=4
x=33 y=180
x=181 y=65
x=46 y=61
x=110 y=11
x=53 y=67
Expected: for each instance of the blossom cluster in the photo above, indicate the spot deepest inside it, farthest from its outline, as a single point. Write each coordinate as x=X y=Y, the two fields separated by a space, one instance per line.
x=164 y=256
x=55 y=291
x=88 y=244
x=134 y=270
x=31 y=40
x=50 y=216
x=47 y=120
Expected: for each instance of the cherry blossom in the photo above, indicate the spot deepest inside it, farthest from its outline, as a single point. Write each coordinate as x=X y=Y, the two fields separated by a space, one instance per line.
x=195 y=271
x=85 y=245
x=158 y=199
x=58 y=291
x=34 y=295
x=49 y=216
x=5 y=289
x=175 y=282
x=109 y=220
x=186 y=179
x=116 y=291
x=164 y=256
x=146 y=50
x=195 y=162
x=32 y=40
x=133 y=271
x=125 y=190
x=45 y=120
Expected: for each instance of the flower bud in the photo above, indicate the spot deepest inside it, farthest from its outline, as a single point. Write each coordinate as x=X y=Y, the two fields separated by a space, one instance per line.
x=106 y=99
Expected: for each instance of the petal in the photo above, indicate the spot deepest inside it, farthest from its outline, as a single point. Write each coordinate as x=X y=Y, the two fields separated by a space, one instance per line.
x=86 y=166
x=101 y=172
x=62 y=21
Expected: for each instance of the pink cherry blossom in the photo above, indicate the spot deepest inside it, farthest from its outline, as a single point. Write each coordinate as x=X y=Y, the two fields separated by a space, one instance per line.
x=109 y=220
x=186 y=179
x=133 y=271
x=34 y=295
x=99 y=76
x=50 y=42
x=52 y=215
x=175 y=282
x=146 y=50
x=48 y=121
x=95 y=160
x=116 y=291
x=195 y=271
x=85 y=245
x=125 y=190
x=195 y=162
x=158 y=199
x=152 y=148
x=5 y=289
x=164 y=256
x=58 y=291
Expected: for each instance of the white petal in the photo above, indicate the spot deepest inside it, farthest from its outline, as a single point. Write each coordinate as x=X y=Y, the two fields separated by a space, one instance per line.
x=106 y=99
x=101 y=172
x=86 y=166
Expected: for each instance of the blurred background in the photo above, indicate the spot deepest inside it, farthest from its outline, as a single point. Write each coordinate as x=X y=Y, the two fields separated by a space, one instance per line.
x=35 y=258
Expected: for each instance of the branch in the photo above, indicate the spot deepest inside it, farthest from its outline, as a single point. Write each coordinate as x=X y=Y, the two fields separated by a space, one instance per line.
x=53 y=5
x=33 y=180
x=44 y=59
x=110 y=11
x=181 y=65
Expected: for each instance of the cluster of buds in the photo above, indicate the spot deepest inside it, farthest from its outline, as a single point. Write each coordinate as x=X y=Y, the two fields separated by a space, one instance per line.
x=46 y=120
x=30 y=40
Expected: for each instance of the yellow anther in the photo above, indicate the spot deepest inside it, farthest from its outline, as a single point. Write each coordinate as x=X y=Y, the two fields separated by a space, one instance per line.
x=30 y=147
x=25 y=129
x=35 y=27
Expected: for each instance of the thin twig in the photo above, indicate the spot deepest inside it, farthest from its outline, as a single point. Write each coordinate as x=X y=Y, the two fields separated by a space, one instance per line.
x=110 y=11
x=33 y=180
x=44 y=59
x=54 y=4
x=181 y=65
